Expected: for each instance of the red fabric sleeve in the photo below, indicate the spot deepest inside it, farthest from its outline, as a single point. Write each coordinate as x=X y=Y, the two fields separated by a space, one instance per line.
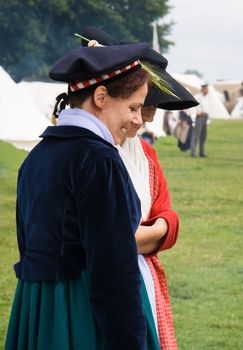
x=160 y=207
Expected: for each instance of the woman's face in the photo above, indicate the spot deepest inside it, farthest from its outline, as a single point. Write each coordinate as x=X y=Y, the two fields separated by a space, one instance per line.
x=121 y=116
x=148 y=113
x=147 y=116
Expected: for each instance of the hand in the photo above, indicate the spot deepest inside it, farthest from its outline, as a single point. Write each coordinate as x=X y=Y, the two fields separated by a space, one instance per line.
x=148 y=237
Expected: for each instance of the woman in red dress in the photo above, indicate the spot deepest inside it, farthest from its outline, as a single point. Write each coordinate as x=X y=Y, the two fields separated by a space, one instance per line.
x=159 y=224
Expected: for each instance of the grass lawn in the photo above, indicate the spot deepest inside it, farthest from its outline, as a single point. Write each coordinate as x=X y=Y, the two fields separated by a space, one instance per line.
x=205 y=268
x=10 y=159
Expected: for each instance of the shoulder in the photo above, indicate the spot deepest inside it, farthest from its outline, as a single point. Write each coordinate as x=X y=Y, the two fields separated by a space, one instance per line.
x=148 y=149
x=100 y=159
x=153 y=160
x=101 y=155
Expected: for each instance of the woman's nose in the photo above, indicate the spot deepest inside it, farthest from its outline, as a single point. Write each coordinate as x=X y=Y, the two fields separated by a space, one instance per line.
x=138 y=118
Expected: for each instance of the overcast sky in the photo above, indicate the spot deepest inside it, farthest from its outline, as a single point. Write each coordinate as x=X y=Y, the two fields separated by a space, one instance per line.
x=208 y=37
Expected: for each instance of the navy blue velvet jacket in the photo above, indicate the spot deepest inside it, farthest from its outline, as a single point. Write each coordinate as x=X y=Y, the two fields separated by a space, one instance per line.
x=77 y=210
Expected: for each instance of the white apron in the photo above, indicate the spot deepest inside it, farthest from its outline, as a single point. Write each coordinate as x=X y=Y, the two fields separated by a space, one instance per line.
x=137 y=166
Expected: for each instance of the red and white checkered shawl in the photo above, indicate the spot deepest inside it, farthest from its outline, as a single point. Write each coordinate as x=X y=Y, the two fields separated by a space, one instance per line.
x=164 y=315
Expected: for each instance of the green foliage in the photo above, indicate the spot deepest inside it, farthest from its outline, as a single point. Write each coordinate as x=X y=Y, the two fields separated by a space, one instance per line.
x=205 y=267
x=194 y=71
x=34 y=33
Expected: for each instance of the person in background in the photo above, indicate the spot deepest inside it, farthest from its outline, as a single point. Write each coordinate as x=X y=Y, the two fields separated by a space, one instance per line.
x=166 y=122
x=199 y=132
x=184 y=130
x=79 y=285
x=159 y=222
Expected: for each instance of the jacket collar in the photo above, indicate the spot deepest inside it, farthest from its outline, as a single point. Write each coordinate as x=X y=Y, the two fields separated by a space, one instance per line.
x=72 y=132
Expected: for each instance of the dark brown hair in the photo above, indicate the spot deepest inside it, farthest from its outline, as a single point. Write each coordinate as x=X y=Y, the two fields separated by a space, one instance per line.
x=120 y=87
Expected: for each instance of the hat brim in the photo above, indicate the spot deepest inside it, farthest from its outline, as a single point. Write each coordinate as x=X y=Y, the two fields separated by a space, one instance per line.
x=155 y=96
x=161 y=100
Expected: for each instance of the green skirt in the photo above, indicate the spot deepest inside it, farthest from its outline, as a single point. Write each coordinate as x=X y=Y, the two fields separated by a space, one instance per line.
x=51 y=316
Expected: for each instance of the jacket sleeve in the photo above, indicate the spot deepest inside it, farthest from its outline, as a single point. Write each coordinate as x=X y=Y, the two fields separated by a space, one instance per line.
x=161 y=207
x=19 y=222
x=109 y=216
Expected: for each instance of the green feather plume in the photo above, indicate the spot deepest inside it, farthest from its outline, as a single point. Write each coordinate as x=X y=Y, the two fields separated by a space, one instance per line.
x=157 y=78
x=155 y=73
x=81 y=37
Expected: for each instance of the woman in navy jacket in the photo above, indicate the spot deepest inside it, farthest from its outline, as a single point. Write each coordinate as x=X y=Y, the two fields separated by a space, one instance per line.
x=77 y=212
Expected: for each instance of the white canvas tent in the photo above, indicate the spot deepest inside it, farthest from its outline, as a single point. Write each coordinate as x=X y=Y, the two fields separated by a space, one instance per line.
x=156 y=126
x=190 y=81
x=21 y=122
x=237 y=111
x=230 y=90
x=217 y=110
x=43 y=94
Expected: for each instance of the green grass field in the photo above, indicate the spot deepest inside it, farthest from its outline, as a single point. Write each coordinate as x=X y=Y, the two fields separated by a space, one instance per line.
x=205 y=268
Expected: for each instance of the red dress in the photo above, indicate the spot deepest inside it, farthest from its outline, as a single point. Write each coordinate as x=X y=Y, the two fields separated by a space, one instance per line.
x=160 y=208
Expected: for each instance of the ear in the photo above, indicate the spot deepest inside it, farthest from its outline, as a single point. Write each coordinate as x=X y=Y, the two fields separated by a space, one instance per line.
x=100 y=96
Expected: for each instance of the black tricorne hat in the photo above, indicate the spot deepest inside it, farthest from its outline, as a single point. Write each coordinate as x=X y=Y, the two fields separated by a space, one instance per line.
x=155 y=96
x=87 y=66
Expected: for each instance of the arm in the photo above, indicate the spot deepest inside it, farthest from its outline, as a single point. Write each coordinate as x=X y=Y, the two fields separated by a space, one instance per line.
x=161 y=207
x=148 y=238
x=109 y=216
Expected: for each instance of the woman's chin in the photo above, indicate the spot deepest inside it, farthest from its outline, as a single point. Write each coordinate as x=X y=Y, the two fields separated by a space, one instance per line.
x=148 y=119
x=120 y=136
x=131 y=134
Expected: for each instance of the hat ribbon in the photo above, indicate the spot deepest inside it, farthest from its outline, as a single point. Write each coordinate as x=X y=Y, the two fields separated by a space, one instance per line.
x=78 y=85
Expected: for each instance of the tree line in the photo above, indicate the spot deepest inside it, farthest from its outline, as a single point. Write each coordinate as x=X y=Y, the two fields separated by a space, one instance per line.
x=35 y=33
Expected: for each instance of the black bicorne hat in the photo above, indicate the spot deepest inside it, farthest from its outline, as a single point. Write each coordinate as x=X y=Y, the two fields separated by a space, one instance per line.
x=155 y=96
